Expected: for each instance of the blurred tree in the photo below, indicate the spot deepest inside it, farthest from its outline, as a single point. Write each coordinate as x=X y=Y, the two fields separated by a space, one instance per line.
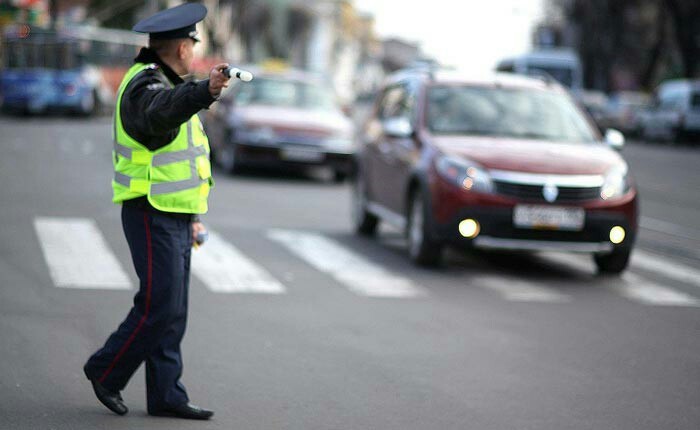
x=686 y=25
x=116 y=14
x=625 y=44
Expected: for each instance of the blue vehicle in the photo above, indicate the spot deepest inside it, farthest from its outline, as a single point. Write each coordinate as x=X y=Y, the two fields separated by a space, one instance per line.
x=62 y=71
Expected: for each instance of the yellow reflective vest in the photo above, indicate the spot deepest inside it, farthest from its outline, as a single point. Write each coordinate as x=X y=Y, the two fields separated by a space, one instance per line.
x=175 y=178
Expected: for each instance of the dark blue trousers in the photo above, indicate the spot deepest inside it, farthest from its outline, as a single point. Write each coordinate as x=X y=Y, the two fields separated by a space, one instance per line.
x=152 y=331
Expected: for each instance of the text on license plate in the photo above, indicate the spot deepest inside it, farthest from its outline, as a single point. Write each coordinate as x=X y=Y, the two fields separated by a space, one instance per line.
x=300 y=154
x=549 y=217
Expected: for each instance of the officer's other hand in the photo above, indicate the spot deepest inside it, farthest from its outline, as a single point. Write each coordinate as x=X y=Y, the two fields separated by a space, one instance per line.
x=197 y=227
x=217 y=80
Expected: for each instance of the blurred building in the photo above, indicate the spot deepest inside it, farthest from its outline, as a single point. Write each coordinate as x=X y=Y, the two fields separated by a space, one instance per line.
x=329 y=37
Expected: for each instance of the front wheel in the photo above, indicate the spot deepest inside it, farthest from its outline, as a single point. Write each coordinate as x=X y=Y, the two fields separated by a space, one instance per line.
x=365 y=222
x=339 y=176
x=613 y=263
x=89 y=104
x=226 y=158
x=423 y=249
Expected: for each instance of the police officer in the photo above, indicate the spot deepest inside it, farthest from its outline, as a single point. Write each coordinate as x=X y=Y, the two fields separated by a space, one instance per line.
x=162 y=178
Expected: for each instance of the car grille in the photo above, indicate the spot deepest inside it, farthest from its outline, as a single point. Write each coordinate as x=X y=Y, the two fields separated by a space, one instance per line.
x=534 y=192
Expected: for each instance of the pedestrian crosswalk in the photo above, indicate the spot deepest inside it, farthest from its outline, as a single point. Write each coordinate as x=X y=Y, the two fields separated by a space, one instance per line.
x=360 y=275
x=78 y=256
x=225 y=269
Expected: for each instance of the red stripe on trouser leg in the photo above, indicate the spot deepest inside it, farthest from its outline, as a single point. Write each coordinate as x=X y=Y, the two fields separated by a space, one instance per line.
x=142 y=321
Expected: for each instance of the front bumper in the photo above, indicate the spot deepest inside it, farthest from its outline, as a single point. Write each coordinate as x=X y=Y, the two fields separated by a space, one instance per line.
x=494 y=214
x=292 y=156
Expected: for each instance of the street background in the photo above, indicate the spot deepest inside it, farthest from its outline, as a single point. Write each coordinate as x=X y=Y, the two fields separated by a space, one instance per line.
x=295 y=321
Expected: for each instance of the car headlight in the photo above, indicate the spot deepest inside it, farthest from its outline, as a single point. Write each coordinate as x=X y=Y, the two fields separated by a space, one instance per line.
x=252 y=134
x=616 y=183
x=464 y=173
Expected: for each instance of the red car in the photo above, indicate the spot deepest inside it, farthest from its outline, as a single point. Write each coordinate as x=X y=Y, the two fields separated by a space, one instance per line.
x=501 y=162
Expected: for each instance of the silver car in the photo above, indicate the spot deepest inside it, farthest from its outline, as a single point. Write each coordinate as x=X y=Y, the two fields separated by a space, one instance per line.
x=675 y=115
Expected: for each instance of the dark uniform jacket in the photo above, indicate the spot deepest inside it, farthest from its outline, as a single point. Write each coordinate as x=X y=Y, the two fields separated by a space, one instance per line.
x=152 y=110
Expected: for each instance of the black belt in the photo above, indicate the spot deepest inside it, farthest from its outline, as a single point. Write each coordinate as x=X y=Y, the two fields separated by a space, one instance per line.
x=143 y=204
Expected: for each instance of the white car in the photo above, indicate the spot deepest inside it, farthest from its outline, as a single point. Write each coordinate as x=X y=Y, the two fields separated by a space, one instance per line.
x=675 y=115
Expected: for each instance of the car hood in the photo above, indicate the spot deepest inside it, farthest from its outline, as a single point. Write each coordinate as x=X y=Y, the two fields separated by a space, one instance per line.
x=294 y=120
x=531 y=156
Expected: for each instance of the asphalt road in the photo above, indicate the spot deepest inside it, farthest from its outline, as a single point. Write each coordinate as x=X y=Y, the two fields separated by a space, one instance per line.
x=295 y=323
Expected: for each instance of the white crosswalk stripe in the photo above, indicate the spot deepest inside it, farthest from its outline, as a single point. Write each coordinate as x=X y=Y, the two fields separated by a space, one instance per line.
x=225 y=269
x=517 y=290
x=78 y=255
x=357 y=273
x=642 y=260
x=633 y=286
x=637 y=288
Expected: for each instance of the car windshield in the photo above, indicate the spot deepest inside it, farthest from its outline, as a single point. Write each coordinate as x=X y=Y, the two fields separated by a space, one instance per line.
x=285 y=93
x=515 y=113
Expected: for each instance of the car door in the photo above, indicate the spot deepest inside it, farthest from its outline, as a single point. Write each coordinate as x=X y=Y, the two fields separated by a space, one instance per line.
x=405 y=151
x=378 y=159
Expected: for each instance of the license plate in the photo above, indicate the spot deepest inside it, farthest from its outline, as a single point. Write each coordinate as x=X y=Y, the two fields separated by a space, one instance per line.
x=300 y=154
x=548 y=217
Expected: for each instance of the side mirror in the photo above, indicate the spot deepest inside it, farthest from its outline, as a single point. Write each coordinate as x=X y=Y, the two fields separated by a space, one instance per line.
x=615 y=139
x=397 y=127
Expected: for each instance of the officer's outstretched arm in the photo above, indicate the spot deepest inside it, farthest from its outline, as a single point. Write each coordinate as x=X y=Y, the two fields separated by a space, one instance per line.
x=164 y=109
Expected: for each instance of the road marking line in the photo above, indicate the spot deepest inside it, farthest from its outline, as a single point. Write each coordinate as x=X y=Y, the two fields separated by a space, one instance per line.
x=78 y=255
x=518 y=290
x=669 y=228
x=680 y=272
x=224 y=269
x=635 y=287
x=360 y=275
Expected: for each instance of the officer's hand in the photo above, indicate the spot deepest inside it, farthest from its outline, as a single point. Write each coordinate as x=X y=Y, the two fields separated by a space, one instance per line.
x=197 y=227
x=217 y=80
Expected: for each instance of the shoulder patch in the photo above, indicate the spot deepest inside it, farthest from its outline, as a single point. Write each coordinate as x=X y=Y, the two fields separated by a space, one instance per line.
x=155 y=86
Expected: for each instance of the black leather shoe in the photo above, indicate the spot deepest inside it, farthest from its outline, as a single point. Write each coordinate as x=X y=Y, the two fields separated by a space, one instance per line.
x=113 y=401
x=185 y=410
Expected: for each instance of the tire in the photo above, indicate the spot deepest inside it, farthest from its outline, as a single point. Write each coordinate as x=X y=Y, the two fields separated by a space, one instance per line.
x=339 y=176
x=613 y=263
x=680 y=136
x=89 y=104
x=365 y=223
x=423 y=249
x=226 y=158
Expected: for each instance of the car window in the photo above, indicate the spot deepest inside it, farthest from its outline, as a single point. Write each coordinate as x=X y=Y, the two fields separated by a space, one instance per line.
x=390 y=105
x=671 y=101
x=515 y=112
x=285 y=93
x=397 y=101
x=563 y=74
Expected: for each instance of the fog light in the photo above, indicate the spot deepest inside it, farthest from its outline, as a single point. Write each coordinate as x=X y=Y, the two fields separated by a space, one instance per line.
x=617 y=234
x=469 y=228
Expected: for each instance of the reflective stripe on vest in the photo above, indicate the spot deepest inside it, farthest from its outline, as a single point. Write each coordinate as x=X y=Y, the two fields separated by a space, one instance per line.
x=137 y=185
x=146 y=157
